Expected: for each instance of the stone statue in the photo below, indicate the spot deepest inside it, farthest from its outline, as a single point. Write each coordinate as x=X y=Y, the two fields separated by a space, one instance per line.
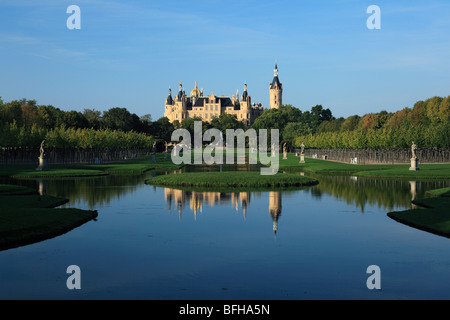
x=41 y=150
x=413 y=150
x=302 y=156
x=42 y=161
x=414 y=160
x=166 y=145
x=284 y=151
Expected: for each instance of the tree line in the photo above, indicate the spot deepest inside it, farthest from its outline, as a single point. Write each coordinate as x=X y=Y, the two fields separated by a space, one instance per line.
x=24 y=123
x=427 y=123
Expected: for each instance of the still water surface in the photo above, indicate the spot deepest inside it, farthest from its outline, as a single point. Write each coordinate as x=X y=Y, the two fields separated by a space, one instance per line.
x=158 y=243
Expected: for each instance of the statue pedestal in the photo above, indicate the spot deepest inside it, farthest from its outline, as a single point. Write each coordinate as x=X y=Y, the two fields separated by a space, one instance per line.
x=302 y=158
x=284 y=156
x=42 y=164
x=414 y=164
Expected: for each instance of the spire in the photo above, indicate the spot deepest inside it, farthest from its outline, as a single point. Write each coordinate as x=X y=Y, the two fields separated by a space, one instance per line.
x=245 y=94
x=169 y=100
x=180 y=92
x=275 y=71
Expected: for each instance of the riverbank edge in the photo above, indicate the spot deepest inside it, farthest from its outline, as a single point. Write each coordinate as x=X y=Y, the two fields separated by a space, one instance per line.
x=54 y=222
x=433 y=215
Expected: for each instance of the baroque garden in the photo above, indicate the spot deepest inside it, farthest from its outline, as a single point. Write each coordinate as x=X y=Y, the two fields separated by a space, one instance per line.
x=43 y=146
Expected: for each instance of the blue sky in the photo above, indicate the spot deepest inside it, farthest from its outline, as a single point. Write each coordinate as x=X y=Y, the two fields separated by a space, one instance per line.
x=128 y=53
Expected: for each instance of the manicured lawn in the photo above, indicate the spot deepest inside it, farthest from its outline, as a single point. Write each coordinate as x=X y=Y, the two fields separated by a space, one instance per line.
x=59 y=173
x=432 y=216
x=231 y=180
x=444 y=192
x=133 y=166
x=427 y=171
x=26 y=217
x=140 y=165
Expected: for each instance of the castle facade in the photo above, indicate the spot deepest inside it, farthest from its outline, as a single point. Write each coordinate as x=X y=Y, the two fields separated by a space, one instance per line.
x=209 y=107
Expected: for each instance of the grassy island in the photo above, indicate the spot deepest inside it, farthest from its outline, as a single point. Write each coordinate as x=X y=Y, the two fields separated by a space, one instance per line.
x=432 y=216
x=26 y=217
x=231 y=180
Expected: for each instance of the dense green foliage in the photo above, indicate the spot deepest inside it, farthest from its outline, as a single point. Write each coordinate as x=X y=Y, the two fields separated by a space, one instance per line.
x=427 y=124
x=23 y=123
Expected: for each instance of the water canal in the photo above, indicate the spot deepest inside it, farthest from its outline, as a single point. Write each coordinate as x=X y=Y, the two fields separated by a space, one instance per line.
x=159 y=243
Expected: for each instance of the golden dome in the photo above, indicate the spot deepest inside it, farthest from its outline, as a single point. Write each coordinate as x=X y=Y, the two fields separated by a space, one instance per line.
x=195 y=92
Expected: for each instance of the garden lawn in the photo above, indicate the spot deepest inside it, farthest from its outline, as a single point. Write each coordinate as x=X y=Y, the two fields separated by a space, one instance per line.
x=133 y=166
x=232 y=180
x=432 y=216
x=139 y=165
x=427 y=171
x=26 y=217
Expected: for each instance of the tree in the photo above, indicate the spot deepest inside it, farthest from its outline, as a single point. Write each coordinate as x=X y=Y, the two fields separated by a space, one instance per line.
x=350 y=123
x=93 y=117
x=117 y=119
x=162 y=129
x=318 y=115
x=11 y=112
x=75 y=119
x=227 y=121
x=295 y=129
x=29 y=116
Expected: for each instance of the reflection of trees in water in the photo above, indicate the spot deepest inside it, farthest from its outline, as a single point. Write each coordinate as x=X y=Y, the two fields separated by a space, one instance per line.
x=95 y=192
x=386 y=193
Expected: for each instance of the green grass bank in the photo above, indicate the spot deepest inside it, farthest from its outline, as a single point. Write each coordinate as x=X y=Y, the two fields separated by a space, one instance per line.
x=133 y=166
x=231 y=180
x=427 y=171
x=433 y=214
x=26 y=217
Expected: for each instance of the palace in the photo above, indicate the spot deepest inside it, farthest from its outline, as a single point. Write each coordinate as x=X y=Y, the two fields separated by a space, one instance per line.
x=197 y=105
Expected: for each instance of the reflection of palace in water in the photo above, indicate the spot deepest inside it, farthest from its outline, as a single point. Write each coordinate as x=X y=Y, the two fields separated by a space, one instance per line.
x=237 y=200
